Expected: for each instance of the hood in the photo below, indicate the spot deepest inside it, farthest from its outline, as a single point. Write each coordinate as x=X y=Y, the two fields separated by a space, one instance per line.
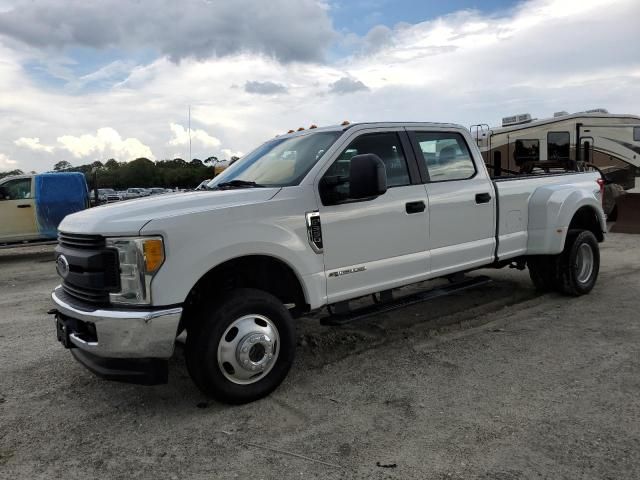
x=129 y=216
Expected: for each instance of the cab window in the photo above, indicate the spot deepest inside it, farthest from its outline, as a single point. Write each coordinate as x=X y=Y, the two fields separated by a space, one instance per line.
x=386 y=145
x=446 y=156
x=18 y=189
x=636 y=134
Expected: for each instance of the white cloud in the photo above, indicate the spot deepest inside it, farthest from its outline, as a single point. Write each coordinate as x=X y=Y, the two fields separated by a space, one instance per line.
x=181 y=137
x=106 y=143
x=227 y=153
x=297 y=30
x=347 y=85
x=33 y=144
x=6 y=163
x=541 y=57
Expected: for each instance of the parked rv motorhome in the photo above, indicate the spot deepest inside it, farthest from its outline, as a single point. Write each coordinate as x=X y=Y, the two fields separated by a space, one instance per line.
x=569 y=142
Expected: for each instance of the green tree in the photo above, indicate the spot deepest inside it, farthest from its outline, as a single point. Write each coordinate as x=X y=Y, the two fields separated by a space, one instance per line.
x=112 y=164
x=12 y=172
x=62 y=165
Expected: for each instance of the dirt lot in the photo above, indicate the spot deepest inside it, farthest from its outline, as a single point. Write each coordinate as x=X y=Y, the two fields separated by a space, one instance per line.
x=495 y=383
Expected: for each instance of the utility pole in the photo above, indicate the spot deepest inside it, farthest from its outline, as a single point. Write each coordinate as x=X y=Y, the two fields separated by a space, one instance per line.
x=190 y=158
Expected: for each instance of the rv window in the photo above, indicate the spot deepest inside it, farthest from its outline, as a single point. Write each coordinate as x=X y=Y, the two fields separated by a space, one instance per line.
x=558 y=146
x=526 y=151
x=636 y=134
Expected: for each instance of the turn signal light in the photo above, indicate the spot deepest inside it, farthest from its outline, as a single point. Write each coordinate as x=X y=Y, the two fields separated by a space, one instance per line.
x=153 y=255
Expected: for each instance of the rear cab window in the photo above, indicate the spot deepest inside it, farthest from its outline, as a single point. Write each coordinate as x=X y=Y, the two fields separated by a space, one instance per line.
x=446 y=156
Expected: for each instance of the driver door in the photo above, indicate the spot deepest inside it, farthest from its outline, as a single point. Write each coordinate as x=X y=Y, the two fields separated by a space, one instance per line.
x=375 y=244
x=17 y=211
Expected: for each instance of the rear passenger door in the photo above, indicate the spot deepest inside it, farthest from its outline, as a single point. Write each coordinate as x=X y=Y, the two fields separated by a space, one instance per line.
x=376 y=244
x=461 y=202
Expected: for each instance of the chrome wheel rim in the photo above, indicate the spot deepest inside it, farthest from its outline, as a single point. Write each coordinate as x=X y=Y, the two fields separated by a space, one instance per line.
x=584 y=263
x=248 y=349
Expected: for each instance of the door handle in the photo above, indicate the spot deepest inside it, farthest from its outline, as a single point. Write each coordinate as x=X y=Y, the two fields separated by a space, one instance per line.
x=24 y=206
x=415 y=207
x=483 y=197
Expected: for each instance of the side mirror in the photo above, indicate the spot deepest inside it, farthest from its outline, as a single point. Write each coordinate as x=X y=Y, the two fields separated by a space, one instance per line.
x=367 y=177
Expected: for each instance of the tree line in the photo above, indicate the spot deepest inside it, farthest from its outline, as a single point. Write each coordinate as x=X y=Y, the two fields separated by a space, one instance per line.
x=143 y=172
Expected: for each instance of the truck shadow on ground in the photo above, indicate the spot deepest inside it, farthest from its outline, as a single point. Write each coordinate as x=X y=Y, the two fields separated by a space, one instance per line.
x=318 y=346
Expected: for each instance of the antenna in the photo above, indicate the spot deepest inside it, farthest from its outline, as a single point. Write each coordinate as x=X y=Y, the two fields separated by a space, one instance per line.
x=190 y=158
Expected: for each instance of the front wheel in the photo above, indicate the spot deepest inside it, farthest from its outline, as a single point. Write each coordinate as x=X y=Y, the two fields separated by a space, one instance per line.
x=242 y=348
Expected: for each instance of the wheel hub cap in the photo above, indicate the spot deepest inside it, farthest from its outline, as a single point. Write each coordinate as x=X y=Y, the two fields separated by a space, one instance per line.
x=584 y=263
x=249 y=349
x=255 y=351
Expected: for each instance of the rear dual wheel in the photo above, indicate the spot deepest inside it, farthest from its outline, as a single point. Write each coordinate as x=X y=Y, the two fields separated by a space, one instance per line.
x=242 y=347
x=574 y=271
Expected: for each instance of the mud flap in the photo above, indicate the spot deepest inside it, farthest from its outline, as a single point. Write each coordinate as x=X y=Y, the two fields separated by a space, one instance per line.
x=628 y=220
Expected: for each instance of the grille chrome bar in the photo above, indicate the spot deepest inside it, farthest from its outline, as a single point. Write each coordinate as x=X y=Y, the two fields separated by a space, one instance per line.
x=73 y=240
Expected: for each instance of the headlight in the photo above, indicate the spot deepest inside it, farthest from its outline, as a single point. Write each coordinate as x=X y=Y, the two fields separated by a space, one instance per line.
x=140 y=259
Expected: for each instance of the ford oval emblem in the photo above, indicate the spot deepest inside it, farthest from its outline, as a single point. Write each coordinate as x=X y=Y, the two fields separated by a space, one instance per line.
x=62 y=266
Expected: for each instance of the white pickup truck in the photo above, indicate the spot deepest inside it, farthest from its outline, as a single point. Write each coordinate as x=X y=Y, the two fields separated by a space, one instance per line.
x=308 y=220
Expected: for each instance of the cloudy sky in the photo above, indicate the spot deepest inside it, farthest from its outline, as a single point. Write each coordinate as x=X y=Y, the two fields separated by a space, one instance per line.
x=84 y=81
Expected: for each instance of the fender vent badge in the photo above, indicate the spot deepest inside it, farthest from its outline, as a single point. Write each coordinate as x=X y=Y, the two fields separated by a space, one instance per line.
x=314 y=231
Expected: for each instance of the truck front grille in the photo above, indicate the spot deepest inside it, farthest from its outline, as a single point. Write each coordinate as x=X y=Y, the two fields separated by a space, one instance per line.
x=74 y=240
x=93 y=269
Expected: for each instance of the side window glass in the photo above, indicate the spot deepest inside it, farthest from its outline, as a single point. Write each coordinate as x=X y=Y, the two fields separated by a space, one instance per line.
x=18 y=189
x=446 y=156
x=526 y=151
x=636 y=134
x=558 y=146
x=387 y=146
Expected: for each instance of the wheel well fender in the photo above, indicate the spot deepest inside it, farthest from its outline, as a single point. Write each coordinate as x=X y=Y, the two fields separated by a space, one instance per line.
x=262 y=272
x=553 y=211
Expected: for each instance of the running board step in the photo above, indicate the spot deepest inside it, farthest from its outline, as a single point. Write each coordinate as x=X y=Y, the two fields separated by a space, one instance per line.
x=405 y=301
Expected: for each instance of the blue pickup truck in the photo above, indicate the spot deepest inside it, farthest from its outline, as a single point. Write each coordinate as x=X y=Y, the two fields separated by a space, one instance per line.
x=32 y=206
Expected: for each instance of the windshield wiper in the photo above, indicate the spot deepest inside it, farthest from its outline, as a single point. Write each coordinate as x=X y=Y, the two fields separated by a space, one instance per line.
x=238 y=184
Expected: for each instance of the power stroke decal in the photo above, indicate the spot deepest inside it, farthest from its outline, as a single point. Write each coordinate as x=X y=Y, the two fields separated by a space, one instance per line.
x=340 y=273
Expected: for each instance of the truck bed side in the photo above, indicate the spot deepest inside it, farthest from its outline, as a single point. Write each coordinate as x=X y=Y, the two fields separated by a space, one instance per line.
x=534 y=214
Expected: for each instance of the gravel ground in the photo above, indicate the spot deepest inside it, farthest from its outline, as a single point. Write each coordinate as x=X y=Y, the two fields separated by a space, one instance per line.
x=495 y=383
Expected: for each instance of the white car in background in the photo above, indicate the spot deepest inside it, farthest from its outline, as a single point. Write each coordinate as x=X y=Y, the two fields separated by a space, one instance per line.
x=134 y=193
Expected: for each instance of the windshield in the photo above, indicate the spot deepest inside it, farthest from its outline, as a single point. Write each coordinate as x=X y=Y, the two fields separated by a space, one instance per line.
x=281 y=162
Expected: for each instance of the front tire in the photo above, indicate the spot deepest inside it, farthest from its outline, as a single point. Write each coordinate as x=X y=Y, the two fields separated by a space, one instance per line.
x=242 y=348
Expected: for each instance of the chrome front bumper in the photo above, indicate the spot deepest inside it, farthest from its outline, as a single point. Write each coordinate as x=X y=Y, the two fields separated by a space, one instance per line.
x=124 y=334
